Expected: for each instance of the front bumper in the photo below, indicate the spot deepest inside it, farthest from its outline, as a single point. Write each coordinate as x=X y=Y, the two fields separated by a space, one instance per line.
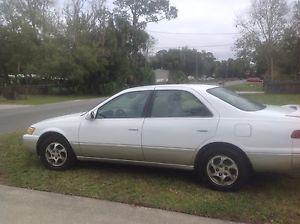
x=30 y=142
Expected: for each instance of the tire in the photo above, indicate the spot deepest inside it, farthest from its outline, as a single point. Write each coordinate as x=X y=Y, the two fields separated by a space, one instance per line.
x=56 y=153
x=224 y=169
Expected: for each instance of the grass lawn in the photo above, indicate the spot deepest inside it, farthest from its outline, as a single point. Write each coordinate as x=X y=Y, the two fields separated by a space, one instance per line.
x=249 y=87
x=275 y=99
x=42 y=99
x=267 y=199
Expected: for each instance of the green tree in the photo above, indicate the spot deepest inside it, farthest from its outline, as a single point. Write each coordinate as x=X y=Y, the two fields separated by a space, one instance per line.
x=189 y=61
x=177 y=77
x=86 y=48
x=139 y=13
x=25 y=24
x=289 y=49
x=142 y=12
x=262 y=29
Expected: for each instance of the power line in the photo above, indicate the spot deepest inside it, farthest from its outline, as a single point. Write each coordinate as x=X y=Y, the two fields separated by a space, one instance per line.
x=204 y=34
x=215 y=45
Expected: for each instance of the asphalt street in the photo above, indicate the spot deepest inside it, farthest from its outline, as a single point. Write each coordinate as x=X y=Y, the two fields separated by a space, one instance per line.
x=19 y=118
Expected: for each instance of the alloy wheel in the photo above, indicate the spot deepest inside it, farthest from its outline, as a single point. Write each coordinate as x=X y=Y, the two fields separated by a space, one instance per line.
x=56 y=154
x=222 y=170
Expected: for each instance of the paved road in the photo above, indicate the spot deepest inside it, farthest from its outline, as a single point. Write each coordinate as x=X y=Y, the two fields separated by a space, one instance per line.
x=18 y=119
x=34 y=207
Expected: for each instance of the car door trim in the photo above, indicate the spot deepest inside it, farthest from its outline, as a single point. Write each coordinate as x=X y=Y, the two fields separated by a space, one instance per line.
x=108 y=144
x=137 y=162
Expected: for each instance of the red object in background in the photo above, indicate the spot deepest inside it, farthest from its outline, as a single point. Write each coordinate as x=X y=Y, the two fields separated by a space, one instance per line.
x=254 y=79
x=296 y=134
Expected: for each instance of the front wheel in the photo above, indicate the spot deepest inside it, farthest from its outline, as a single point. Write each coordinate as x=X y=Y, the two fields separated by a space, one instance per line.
x=224 y=170
x=56 y=153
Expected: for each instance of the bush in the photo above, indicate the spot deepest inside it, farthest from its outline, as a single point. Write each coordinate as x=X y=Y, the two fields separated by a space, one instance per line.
x=146 y=76
x=177 y=77
x=109 y=88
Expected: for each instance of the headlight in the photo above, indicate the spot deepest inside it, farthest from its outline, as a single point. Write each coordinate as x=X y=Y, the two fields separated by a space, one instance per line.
x=30 y=130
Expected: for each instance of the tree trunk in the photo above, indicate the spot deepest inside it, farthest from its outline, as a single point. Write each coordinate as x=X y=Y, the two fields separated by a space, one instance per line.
x=19 y=67
x=272 y=68
x=5 y=77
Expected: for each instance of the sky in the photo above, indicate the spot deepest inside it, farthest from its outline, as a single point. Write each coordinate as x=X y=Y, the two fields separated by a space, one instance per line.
x=201 y=24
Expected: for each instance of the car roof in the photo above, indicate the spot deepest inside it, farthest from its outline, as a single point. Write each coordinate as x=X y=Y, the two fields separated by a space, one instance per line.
x=200 y=87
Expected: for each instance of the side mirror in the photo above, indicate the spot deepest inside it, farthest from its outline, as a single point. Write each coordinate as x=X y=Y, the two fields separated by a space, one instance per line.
x=90 y=116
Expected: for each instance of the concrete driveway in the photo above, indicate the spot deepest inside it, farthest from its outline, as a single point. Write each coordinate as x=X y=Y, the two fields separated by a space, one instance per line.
x=23 y=206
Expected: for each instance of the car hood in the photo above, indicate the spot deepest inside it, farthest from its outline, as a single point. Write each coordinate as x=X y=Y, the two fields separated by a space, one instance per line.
x=64 y=118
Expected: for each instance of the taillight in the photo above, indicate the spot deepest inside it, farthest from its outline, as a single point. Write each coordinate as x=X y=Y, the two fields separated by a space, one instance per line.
x=296 y=134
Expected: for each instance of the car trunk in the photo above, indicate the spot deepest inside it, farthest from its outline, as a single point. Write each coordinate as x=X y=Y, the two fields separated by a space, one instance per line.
x=293 y=110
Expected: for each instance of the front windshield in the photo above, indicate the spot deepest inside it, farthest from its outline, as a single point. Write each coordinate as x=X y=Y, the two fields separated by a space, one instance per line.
x=235 y=100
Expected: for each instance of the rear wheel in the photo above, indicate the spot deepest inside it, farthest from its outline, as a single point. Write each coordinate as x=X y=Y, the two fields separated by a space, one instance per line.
x=56 y=153
x=224 y=169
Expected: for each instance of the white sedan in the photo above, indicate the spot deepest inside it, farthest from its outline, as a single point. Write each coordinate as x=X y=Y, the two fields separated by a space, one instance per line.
x=210 y=129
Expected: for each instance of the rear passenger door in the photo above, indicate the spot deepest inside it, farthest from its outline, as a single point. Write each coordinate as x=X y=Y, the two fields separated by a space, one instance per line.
x=178 y=123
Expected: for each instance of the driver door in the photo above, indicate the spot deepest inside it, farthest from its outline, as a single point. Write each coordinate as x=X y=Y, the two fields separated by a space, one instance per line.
x=115 y=133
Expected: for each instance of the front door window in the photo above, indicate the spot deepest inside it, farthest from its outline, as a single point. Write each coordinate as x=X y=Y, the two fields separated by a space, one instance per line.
x=128 y=105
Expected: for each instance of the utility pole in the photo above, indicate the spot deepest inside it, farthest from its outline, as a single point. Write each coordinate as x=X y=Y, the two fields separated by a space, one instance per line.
x=197 y=68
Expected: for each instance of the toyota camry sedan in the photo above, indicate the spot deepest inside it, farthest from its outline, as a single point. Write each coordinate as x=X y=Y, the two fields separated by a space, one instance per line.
x=212 y=130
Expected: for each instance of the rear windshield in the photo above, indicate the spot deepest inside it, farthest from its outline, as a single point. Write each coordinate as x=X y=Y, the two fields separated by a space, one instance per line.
x=235 y=100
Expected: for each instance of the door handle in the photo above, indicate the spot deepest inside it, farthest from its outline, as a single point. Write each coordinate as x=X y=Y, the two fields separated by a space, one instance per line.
x=133 y=129
x=202 y=131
